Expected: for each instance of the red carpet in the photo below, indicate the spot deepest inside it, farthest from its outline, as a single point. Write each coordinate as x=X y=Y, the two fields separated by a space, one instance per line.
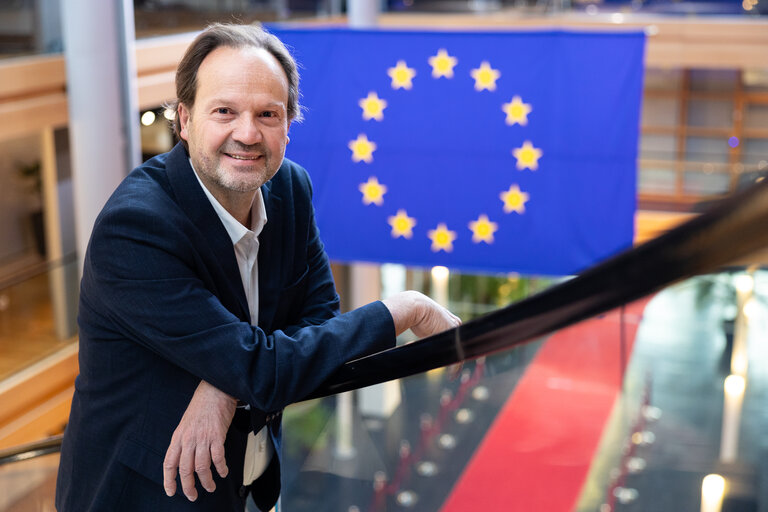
x=537 y=453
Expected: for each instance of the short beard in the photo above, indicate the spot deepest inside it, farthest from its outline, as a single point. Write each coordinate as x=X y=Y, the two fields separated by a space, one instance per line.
x=234 y=183
x=245 y=184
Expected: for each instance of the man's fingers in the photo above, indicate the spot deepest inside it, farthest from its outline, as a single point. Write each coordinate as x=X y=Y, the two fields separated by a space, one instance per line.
x=433 y=318
x=187 y=471
x=198 y=440
x=447 y=318
x=219 y=460
x=170 y=464
x=203 y=466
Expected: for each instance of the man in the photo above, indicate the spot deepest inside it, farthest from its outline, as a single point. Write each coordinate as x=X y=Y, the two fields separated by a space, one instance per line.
x=207 y=303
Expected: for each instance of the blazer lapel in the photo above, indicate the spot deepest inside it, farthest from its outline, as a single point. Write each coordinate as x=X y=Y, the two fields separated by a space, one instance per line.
x=269 y=258
x=196 y=206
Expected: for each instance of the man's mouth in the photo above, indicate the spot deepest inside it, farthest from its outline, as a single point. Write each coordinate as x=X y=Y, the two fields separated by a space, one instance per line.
x=243 y=157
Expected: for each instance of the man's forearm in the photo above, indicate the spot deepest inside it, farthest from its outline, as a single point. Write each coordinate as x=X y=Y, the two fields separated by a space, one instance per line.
x=198 y=441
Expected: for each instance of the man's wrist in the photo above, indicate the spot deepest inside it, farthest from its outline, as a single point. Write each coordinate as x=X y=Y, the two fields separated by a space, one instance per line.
x=217 y=394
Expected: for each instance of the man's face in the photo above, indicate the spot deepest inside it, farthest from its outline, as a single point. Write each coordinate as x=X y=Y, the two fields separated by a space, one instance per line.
x=238 y=127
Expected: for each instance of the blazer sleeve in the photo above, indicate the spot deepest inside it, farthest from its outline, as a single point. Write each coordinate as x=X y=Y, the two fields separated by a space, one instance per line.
x=319 y=301
x=140 y=275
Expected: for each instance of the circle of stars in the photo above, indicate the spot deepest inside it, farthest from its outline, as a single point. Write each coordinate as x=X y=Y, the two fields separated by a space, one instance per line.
x=516 y=113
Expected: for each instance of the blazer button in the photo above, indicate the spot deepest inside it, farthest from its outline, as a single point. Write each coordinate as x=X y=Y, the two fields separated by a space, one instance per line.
x=243 y=491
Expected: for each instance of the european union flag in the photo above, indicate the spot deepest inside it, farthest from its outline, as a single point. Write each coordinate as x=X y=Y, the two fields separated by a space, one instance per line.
x=489 y=151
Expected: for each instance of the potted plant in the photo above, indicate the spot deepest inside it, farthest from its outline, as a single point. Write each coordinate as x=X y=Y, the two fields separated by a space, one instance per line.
x=31 y=176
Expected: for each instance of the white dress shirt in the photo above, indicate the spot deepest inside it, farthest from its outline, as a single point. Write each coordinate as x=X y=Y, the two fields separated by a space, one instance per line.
x=259 y=450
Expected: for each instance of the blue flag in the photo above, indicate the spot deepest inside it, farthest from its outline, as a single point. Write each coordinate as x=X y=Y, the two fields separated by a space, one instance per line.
x=481 y=151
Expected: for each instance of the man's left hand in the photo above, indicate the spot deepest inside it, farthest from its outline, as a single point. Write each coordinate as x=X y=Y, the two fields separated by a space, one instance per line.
x=198 y=441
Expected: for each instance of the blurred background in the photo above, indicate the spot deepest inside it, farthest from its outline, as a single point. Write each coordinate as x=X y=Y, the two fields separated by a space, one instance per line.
x=633 y=410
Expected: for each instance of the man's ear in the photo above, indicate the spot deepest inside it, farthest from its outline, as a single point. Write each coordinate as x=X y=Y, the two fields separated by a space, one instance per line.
x=287 y=138
x=183 y=121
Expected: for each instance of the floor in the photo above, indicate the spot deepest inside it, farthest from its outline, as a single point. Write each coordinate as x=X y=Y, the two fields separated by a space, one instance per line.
x=683 y=372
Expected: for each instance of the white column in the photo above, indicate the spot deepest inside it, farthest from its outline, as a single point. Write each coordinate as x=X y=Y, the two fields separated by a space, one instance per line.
x=733 y=401
x=364 y=287
x=62 y=278
x=712 y=493
x=345 y=444
x=380 y=400
x=103 y=114
x=440 y=277
x=735 y=383
x=363 y=13
x=744 y=284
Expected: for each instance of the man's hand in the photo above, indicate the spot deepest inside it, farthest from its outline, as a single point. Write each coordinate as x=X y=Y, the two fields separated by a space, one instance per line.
x=198 y=440
x=417 y=312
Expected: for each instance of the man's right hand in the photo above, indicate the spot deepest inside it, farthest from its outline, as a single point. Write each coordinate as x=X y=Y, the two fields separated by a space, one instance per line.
x=198 y=441
x=417 y=312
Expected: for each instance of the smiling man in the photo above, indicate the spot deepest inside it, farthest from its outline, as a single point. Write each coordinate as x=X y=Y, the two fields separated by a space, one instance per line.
x=207 y=302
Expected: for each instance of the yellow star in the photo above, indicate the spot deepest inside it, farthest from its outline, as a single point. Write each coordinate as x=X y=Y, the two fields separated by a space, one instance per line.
x=514 y=199
x=362 y=149
x=527 y=156
x=442 y=64
x=373 y=107
x=485 y=77
x=442 y=238
x=401 y=75
x=517 y=111
x=483 y=229
x=373 y=191
x=402 y=224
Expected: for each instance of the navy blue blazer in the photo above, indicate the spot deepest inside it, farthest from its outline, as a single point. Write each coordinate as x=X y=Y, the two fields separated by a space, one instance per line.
x=162 y=306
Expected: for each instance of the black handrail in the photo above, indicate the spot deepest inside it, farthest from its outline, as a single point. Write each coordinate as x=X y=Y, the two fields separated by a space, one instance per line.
x=31 y=450
x=737 y=227
x=733 y=229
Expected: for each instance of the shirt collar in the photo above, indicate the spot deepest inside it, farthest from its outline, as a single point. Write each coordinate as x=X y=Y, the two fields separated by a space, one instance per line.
x=235 y=230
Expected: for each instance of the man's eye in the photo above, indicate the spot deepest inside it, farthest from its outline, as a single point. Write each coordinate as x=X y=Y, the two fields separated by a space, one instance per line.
x=268 y=114
x=223 y=110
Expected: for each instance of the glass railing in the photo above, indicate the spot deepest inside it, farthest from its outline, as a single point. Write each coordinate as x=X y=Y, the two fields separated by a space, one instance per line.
x=29 y=485
x=37 y=311
x=408 y=455
x=29 y=27
x=157 y=19
x=622 y=412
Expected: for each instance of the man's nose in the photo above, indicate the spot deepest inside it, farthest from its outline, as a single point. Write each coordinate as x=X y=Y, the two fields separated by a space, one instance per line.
x=247 y=131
